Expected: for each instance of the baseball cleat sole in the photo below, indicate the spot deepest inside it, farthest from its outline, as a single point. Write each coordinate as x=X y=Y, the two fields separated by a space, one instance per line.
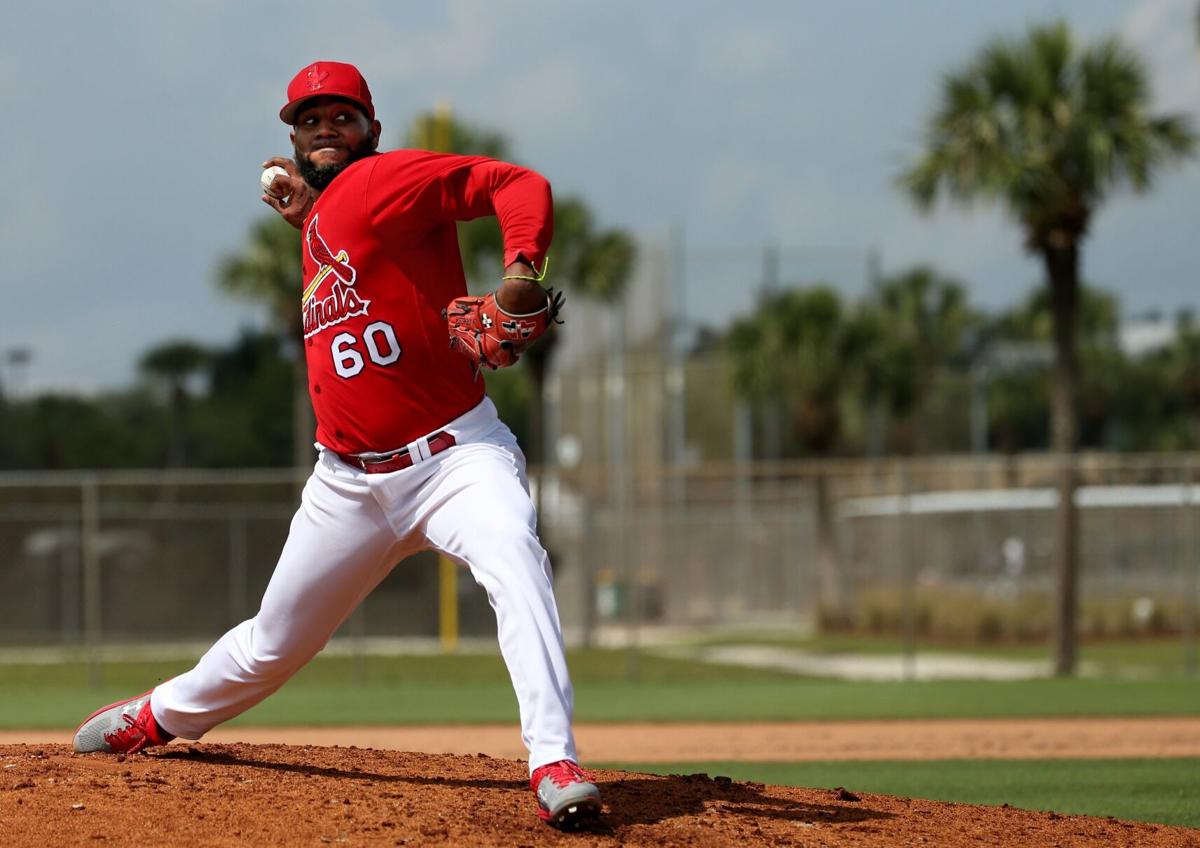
x=565 y=797
x=575 y=814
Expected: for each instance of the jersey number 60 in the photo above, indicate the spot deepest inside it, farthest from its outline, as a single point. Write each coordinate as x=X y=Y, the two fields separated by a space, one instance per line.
x=381 y=343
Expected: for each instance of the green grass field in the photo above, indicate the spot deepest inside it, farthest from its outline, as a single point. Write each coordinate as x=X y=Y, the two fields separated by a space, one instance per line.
x=475 y=688
x=1166 y=791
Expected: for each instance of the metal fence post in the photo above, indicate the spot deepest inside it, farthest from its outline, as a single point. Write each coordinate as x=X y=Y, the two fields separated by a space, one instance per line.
x=743 y=499
x=358 y=630
x=588 y=558
x=1191 y=570
x=69 y=570
x=908 y=575
x=619 y=461
x=92 y=588
x=237 y=566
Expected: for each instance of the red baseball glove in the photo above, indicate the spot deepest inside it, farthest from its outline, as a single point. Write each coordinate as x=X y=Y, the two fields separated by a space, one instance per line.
x=493 y=338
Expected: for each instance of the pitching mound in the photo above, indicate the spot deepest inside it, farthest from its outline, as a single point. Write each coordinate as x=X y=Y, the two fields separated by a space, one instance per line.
x=236 y=795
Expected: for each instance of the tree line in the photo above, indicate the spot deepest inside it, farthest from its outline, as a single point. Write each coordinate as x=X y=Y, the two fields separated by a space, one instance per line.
x=903 y=370
x=913 y=368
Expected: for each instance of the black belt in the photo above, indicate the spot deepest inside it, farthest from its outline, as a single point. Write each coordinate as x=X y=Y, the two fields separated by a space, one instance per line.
x=438 y=442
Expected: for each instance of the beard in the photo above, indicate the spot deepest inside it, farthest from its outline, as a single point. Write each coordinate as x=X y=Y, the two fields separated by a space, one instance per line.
x=320 y=176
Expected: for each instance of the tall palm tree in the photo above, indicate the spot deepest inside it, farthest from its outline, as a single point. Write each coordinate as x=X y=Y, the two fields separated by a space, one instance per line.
x=1049 y=129
x=268 y=271
x=174 y=363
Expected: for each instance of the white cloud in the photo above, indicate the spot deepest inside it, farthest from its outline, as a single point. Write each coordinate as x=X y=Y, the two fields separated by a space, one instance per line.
x=1145 y=21
x=29 y=226
x=558 y=100
x=730 y=186
x=1164 y=33
x=744 y=52
x=10 y=88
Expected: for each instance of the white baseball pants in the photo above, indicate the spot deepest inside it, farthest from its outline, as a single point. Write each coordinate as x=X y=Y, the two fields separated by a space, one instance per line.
x=470 y=502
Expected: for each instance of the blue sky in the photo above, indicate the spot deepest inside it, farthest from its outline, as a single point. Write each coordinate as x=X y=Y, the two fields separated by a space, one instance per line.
x=135 y=130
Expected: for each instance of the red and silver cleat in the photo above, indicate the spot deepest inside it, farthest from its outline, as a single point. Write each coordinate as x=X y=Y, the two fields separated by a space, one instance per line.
x=564 y=795
x=125 y=727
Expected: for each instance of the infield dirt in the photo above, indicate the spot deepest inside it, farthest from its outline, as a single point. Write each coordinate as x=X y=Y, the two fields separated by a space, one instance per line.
x=792 y=741
x=240 y=794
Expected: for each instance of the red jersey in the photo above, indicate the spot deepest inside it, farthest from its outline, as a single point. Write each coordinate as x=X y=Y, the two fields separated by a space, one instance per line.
x=381 y=262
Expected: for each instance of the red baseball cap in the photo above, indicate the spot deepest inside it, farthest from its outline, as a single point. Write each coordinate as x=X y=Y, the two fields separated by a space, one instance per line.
x=326 y=79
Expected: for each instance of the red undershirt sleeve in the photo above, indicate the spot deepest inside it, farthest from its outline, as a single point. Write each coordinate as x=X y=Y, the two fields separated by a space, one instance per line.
x=409 y=192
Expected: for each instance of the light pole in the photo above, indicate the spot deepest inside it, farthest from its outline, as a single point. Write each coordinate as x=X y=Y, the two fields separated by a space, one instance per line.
x=17 y=359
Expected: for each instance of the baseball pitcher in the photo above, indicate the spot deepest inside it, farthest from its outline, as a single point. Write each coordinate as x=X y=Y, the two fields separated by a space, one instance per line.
x=411 y=453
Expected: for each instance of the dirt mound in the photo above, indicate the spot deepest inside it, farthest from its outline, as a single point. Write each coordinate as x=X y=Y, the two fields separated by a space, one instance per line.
x=236 y=794
x=760 y=741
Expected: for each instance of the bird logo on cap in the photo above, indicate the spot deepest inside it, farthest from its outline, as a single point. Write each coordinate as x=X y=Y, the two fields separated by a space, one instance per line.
x=316 y=77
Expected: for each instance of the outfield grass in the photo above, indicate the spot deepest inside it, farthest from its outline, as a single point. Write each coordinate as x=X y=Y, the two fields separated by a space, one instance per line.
x=475 y=688
x=1166 y=791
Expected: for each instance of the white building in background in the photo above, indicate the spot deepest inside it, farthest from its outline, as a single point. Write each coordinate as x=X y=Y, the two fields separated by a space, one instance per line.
x=1142 y=336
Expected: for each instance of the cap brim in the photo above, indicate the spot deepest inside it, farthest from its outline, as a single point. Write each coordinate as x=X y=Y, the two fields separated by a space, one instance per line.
x=288 y=113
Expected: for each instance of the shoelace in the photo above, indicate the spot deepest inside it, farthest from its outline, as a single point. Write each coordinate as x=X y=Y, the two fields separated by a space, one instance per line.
x=565 y=773
x=133 y=733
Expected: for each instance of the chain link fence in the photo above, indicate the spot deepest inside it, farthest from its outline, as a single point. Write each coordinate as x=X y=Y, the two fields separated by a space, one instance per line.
x=954 y=551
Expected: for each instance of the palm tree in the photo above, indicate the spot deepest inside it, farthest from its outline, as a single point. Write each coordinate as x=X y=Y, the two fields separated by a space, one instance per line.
x=1049 y=129
x=268 y=271
x=175 y=362
x=885 y=376
x=1182 y=367
x=923 y=318
x=795 y=346
x=1019 y=343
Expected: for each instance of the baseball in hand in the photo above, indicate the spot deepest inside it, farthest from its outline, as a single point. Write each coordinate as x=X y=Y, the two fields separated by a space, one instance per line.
x=268 y=180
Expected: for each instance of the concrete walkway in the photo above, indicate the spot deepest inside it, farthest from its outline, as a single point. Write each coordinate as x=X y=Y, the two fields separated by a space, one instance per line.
x=923 y=666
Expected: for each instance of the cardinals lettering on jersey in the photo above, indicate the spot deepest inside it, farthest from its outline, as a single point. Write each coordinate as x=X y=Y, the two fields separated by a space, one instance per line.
x=340 y=301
